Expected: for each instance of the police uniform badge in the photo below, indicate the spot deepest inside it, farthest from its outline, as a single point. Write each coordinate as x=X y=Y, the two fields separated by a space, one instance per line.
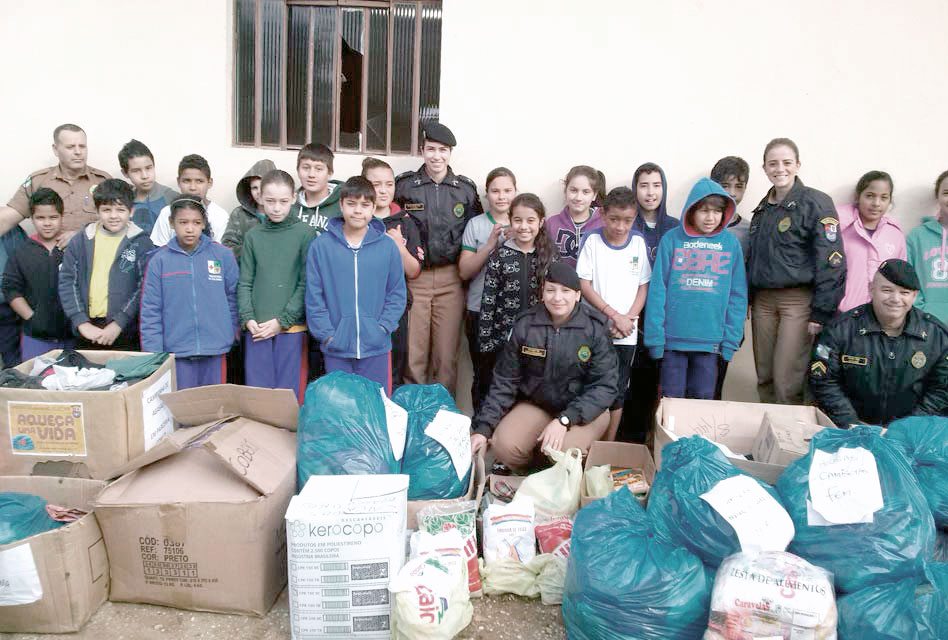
x=584 y=353
x=783 y=225
x=835 y=259
x=919 y=360
x=830 y=227
x=458 y=210
x=818 y=369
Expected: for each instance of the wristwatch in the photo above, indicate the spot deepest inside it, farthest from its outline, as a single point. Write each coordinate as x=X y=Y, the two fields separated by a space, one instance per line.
x=565 y=421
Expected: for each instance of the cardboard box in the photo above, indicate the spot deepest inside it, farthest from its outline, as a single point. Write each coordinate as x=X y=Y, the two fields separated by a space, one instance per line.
x=197 y=522
x=69 y=565
x=734 y=424
x=475 y=491
x=83 y=433
x=781 y=440
x=346 y=540
x=618 y=454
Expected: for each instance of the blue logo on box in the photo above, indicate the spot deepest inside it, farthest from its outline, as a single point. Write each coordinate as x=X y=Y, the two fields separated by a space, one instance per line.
x=23 y=442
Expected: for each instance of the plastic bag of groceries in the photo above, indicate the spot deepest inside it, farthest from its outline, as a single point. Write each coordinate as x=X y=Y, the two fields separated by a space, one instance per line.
x=343 y=429
x=700 y=500
x=428 y=459
x=771 y=594
x=914 y=608
x=462 y=516
x=431 y=598
x=926 y=439
x=555 y=491
x=23 y=515
x=858 y=509
x=625 y=583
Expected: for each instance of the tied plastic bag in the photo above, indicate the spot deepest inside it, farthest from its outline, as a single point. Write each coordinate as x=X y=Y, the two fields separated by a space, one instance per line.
x=771 y=594
x=462 y=516
x=926 y=440
x=625 y=583
x=431 y=598
x=598 y=481
x=23 y=515
x=543 y=575
x=508 y=531
x=885 y=545
x=343 y=429
x=701 y=501
x=555 y=491
x=907 y=609
x=430 y=461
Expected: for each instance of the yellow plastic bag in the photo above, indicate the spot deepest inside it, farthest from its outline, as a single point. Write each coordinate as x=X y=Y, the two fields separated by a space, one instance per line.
x=555 y=491
x=544 y=576
x=598 y=481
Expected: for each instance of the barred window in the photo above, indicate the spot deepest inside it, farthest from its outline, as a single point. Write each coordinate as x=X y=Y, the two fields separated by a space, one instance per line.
x=357 y=75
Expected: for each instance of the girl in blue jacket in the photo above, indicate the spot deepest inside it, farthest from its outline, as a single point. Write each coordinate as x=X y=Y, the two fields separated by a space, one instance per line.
x=355 y=288
x=697 y=299
x=189 y=298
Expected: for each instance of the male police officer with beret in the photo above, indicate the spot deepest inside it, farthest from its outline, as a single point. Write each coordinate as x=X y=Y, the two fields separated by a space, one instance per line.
x=883 y=360
x=442 y=203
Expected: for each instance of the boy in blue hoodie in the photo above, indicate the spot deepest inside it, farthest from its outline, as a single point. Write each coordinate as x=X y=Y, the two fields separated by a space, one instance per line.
x=189 y=299
x=697 y=300
x=355 y=288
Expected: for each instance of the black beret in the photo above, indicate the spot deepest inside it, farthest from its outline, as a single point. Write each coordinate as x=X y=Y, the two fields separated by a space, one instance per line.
x=437 y=132
x=901 y=273
x=562 y=273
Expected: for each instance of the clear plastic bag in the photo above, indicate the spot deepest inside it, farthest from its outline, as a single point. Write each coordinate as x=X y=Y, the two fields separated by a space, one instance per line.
x=23 y=515
x=625 y=583
x=926 y=440
x=896 y=539
x=555 y=491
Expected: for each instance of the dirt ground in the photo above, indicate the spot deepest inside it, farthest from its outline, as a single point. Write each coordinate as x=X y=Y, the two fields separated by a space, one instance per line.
x=496 y=618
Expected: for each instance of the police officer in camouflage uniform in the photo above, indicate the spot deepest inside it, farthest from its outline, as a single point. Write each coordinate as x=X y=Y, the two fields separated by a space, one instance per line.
x=441 y=202
x=883 y=360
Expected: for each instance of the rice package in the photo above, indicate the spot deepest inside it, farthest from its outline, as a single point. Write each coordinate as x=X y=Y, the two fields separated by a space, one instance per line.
x=460 y=515
x=926 y=440
x=625 y=583
x=771 y=594
x=345 y=429
x=858 y=509
x=508 y=531
x=438 y=444
x=701 y=501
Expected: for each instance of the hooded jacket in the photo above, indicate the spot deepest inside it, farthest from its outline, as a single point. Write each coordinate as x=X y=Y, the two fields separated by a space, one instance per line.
x=125 y=277
x=568 y=370
x=354 y=296
x=697 y=298
x=927 y=248
x=318 y=217
x=189 y=300
x=663 y=222
x=795 y=243
x=245 y=216
x=567 y=236
x=864 y=252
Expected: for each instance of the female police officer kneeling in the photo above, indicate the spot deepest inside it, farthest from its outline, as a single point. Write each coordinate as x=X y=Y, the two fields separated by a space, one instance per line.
x=554 y=381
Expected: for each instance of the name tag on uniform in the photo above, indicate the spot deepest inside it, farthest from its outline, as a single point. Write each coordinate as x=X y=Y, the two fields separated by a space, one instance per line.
x=536 y=352
x=414 y=206
x=862 y=361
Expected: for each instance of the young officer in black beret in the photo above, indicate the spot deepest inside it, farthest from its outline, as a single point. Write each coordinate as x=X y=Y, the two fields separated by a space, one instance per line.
x=883 y=360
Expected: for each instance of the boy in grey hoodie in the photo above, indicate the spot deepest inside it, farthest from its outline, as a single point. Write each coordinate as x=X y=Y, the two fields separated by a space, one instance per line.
x=246 y=215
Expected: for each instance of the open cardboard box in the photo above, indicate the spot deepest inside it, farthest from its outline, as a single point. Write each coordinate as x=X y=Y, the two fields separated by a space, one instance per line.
x=197 y=522
x=781 y=441
x=734 y=424
x=475 y=491
x=65 y=571
x=617 y=454
x=83 y=433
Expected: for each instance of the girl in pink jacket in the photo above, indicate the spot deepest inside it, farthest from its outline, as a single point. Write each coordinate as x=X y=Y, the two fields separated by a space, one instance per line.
x=870 y=235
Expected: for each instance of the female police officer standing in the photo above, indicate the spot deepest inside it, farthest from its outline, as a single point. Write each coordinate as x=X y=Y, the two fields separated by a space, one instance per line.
x=555 y=380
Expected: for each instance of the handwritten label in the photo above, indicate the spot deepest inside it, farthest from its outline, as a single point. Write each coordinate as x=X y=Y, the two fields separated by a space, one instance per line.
x=760 y=522
x=156 y=417
x=844 y=486
x=19 y=580
x=396 y=419
x=453 y=432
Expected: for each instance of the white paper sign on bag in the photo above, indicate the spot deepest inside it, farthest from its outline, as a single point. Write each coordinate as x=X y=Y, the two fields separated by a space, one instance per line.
x=453 y=432
x=844 y=486
x=396 y=420
x=814 y=519
x=19 y=581
x=760 y=522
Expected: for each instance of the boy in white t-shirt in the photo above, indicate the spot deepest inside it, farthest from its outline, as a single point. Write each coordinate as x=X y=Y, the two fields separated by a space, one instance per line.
x=194 y=179
x=614 y=272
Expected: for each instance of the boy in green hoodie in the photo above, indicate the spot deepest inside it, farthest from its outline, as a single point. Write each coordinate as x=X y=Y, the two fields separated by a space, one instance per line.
x=927 y=249
x=249 y=213
x=271 y=291
x=317 y=200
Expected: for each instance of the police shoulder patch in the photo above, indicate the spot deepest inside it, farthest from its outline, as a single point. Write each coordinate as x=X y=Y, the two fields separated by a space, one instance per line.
x=835 y=259
x=818 y=369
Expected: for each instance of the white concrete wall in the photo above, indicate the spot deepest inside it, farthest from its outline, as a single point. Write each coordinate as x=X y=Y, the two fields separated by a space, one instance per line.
x=536 y=85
